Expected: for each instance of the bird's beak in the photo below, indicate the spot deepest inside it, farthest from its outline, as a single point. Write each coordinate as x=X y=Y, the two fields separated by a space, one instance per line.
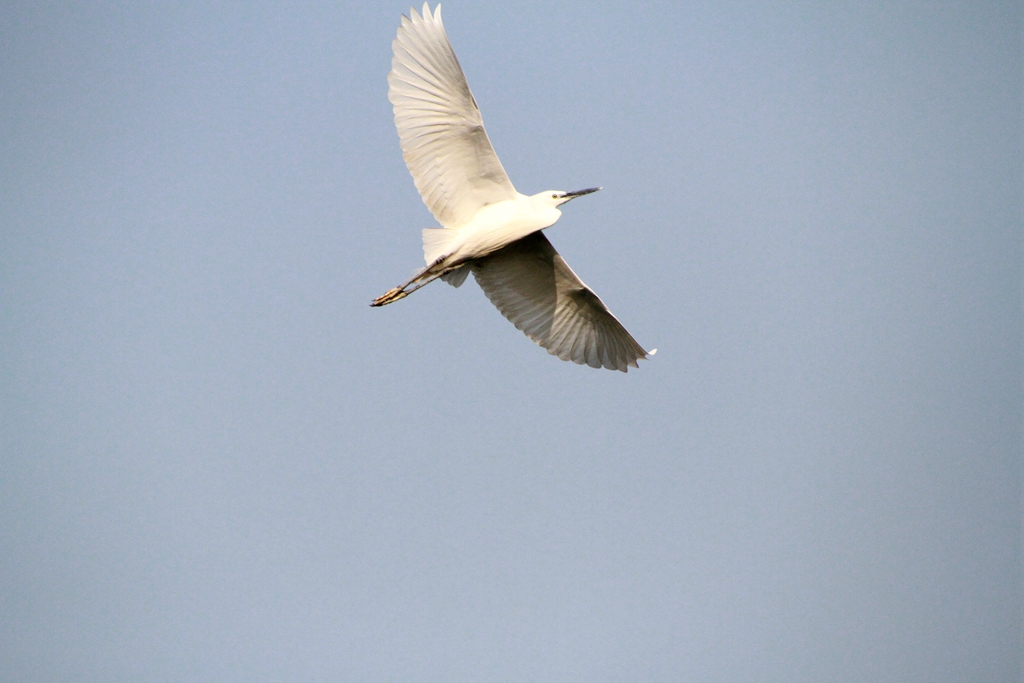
x=579 y=193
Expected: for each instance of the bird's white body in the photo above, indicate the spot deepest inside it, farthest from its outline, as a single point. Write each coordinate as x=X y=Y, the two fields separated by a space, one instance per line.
x=488 y=227
x=497 y=225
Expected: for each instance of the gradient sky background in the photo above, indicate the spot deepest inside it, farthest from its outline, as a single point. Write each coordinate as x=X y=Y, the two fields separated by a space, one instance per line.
x=220 y=464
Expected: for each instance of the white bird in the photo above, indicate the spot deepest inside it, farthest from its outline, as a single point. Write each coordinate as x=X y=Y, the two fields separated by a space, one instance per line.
x=489 y=227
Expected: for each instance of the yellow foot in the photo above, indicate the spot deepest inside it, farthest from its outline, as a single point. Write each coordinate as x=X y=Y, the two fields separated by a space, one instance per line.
x=390 y=297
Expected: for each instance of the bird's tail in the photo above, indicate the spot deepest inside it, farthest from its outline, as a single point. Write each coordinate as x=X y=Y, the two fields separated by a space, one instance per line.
x=437 y=243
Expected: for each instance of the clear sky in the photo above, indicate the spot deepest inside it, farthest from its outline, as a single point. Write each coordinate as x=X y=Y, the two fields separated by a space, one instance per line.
x=218 y=463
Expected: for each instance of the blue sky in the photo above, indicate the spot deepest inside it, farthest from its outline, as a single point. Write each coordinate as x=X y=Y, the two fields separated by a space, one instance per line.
x=219 y=463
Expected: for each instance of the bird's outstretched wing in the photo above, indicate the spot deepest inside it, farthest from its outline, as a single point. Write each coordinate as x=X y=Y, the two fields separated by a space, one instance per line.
x=536 y=289
x=443 y=140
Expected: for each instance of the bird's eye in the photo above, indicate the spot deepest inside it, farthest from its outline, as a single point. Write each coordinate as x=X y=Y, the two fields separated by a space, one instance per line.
x=554 y=196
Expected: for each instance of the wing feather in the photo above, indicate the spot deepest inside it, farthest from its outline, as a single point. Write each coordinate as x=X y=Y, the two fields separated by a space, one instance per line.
x=442 y=133
x=533 y=286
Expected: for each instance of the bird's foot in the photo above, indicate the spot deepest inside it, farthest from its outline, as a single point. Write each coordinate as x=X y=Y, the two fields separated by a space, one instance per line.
x=390 y=297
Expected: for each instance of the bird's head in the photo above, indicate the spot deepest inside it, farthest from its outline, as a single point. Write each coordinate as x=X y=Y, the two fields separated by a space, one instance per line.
x=555 y=198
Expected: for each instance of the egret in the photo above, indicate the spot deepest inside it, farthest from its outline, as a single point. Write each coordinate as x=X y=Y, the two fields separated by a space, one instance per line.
x=489 y=228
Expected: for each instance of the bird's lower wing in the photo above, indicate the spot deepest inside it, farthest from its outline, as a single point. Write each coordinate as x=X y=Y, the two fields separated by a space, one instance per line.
x=539 y=293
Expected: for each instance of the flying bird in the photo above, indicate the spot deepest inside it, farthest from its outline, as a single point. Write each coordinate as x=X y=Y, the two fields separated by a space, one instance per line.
x=489 y=228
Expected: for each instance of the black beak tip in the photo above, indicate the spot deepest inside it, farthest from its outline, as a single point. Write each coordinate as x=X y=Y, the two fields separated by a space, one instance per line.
x=580 y=193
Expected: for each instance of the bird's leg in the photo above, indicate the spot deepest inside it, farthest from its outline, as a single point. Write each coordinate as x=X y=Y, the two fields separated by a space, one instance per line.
x=390 y=297
x=421 y=279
